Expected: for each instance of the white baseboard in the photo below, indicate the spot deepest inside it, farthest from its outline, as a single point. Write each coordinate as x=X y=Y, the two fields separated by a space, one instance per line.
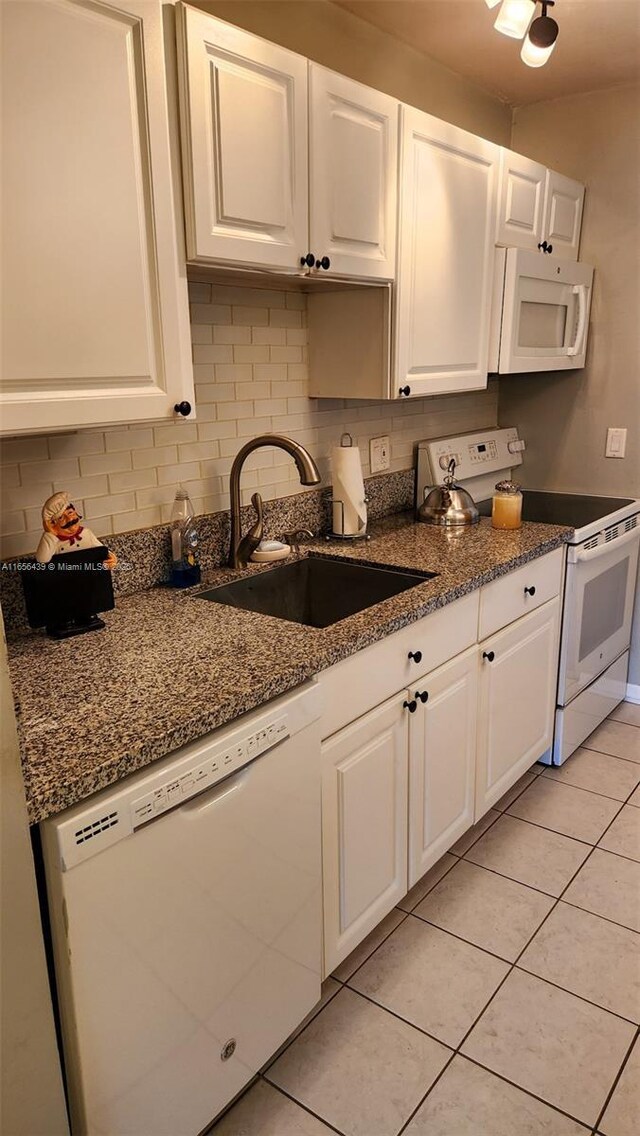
x=633 y=692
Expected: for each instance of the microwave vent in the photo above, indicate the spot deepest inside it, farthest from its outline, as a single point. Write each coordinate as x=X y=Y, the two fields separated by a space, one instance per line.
x=96 y=827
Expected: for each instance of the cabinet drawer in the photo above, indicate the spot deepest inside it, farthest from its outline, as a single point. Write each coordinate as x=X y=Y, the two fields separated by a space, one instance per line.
x=357 y=684
x=519 y=592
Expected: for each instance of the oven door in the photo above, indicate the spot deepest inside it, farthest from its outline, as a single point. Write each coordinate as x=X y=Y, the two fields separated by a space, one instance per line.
x=545 y=315
x=599 y=595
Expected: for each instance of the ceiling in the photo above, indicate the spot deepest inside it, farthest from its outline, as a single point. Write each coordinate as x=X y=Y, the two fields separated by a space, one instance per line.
x=598 y=44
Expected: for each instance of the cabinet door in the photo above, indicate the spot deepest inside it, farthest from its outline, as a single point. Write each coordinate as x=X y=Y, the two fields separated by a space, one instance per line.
x=364 y=826
x=518 y=678
x=95 y=308
x=564 y=199
x=442 y=761
x=244 y=125
x=520 y=201
x=445 y=261
x=353 y=160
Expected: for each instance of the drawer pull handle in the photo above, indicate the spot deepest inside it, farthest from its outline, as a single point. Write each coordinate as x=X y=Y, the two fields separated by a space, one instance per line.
x=416 y=656
x=489 y=656
x=423 y=695
x=411 y=706
x=530 y=591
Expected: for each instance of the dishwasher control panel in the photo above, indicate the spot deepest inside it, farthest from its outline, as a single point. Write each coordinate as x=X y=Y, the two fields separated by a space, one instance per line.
x=85 y=830
x=202 y=774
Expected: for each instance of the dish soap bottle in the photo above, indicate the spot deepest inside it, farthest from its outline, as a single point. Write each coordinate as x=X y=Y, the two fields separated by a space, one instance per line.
x=185 y=570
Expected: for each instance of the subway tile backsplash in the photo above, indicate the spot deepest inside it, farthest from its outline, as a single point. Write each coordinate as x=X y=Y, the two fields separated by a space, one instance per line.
x=250 y=368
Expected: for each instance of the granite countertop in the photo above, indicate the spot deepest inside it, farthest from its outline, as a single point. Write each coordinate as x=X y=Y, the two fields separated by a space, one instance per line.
x=168 y=668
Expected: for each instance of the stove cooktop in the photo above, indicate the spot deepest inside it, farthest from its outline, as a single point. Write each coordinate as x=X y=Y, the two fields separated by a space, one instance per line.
x=574 y=509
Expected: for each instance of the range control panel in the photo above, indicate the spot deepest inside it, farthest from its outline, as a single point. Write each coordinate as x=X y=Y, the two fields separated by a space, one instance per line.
x=218 y=764
x=474 y=454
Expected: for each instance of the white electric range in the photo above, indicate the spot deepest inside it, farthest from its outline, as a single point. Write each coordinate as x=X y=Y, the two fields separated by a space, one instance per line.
x=600 y=580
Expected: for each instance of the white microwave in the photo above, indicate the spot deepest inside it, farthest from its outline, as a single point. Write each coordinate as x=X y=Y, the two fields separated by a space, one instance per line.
x=540 y=313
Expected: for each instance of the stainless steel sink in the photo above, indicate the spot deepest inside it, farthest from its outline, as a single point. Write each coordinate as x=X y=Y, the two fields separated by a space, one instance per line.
x=316 y=591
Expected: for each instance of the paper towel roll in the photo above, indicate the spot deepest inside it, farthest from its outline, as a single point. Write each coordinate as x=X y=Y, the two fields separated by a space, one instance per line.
x=350 y=517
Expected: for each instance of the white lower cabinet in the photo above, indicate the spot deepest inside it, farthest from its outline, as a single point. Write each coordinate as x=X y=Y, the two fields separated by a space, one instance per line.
x=404 y=780
x=397 y=791
x=517 y=687
x=364 y=826
x=442 y=761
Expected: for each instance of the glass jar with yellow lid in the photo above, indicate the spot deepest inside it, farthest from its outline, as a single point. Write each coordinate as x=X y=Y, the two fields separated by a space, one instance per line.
x=506 y=509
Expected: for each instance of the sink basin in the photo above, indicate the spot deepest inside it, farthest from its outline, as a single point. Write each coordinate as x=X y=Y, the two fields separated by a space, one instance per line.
x=317 y=590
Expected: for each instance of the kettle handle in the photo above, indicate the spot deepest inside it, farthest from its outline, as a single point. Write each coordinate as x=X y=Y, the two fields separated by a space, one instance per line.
x=450 y=475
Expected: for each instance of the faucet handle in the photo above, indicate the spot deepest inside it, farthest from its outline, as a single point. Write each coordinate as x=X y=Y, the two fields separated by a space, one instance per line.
x=293 y=538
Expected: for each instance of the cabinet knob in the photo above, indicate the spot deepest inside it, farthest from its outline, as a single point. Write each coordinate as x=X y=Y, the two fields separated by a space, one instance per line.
x=489 y=656
x=549 y=248
x=545 y=247
x=416 y=656
x=324 y=263
x=405 y=391
x=183 y=408
x=423 y=695
x=530 y=591
x=309 y=260
x=411 y=706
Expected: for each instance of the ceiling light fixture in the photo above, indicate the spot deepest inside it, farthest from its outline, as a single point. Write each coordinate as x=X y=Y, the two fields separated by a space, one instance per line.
x=541 y=39
x=514 y=17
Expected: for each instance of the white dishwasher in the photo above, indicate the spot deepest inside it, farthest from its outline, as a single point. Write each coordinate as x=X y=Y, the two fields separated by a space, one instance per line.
x=185 y=909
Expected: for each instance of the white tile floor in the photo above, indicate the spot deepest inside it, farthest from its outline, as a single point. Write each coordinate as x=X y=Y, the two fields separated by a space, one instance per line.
x=502 y=996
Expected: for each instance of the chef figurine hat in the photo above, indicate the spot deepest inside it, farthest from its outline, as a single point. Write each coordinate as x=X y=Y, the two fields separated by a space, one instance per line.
x=54 y=506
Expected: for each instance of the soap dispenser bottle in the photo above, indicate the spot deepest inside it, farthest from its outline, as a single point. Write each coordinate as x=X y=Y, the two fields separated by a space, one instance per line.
x=185 y=570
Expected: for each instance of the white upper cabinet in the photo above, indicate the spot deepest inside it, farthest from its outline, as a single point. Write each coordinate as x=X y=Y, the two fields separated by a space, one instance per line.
x=538 y=208
x=95 y=311
x=520 y=201
x=244 y=131
x=564 y=199
x=445 y=257
x=353 y=160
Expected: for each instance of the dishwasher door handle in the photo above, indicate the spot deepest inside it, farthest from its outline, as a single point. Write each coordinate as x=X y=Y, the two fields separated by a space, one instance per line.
x=215 y=795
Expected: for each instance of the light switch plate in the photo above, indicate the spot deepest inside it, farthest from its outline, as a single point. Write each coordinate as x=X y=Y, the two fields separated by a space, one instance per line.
x=616 y=442
x=379 y=453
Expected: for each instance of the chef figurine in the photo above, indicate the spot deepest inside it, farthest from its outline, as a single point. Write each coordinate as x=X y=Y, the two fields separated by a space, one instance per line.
x=63 y=531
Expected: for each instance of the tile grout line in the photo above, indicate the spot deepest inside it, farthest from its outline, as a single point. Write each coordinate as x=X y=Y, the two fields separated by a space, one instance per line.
x=616 y=1081
x=513 y=967
x=306 y=1108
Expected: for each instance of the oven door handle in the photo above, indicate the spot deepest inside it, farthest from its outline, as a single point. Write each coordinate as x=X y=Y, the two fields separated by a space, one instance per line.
x=579 y=290
x=582 y=555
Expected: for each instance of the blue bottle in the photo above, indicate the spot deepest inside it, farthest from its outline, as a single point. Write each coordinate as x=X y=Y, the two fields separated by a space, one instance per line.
x=185 y=570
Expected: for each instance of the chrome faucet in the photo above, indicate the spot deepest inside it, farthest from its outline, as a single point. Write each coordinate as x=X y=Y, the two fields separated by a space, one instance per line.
x=241 y=550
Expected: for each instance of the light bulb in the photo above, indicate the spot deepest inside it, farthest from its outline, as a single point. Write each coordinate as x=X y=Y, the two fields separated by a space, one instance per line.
x=535 y=56
x=491 y=3
x=514 y=17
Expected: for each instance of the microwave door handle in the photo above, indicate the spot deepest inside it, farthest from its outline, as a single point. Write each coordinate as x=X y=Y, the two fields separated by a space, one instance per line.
x=581 y=555
x=580 y=291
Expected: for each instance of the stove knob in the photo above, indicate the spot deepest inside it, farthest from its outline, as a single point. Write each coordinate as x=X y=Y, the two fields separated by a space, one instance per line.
x=516 y=447
x=444 y=462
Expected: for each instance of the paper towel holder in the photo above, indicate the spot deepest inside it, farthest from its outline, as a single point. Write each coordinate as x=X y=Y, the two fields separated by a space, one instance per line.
x=336 y=501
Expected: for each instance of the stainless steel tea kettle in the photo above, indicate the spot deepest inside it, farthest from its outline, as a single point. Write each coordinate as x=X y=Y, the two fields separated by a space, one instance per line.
x=449 y=504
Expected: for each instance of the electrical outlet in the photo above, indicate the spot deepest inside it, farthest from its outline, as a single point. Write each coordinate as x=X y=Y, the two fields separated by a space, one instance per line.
x=616 y=442
x=379 y=453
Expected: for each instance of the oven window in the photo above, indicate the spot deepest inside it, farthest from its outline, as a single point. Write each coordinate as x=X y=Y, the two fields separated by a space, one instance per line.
x=542 y=325
x=603 y=607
